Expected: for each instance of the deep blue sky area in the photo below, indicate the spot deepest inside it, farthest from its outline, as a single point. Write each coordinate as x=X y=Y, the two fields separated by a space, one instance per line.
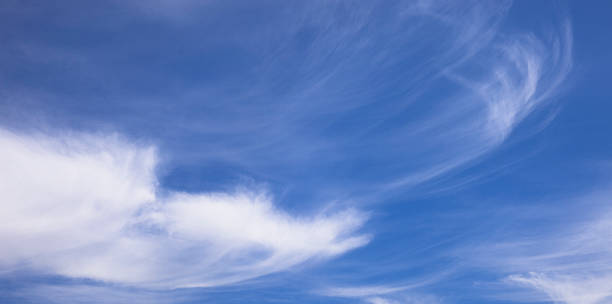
x=382 y=152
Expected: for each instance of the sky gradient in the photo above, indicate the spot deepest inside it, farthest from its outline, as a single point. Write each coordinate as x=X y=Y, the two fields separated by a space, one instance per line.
x=382 y=152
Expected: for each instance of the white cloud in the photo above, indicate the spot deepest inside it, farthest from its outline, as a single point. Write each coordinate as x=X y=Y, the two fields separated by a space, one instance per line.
x=383 y=294
x=571 y=264
x=58 y=194
x=250 y=218
x=379 y=300
x=570 y=289
x=502 y=84
x=574 y=267
x=85 y=206
x=363 y=291
x=529 y=73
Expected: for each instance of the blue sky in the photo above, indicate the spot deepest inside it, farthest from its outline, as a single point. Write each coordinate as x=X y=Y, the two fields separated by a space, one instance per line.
x=383 y=152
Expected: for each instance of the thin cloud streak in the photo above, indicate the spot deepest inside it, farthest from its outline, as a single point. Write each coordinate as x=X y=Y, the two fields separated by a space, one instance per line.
x=571 y=264
x=383 y=294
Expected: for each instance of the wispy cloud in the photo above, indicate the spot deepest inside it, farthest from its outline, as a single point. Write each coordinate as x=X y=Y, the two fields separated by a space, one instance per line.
x=363 y=291
x=570 y=288
x=95 y=294
x=573 y=267
x=88 y=206
x=383 y=294
x=571 y=263
x=412 y=89
x=341 y=101
x=516 y=75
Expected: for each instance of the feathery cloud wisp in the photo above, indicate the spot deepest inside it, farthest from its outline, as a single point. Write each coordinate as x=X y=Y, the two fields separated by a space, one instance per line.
x=571 y=264
x=382 y=294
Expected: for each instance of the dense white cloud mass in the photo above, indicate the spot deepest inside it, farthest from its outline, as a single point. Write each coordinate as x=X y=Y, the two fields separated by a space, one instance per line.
x=86 y=206
x=68 y=192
